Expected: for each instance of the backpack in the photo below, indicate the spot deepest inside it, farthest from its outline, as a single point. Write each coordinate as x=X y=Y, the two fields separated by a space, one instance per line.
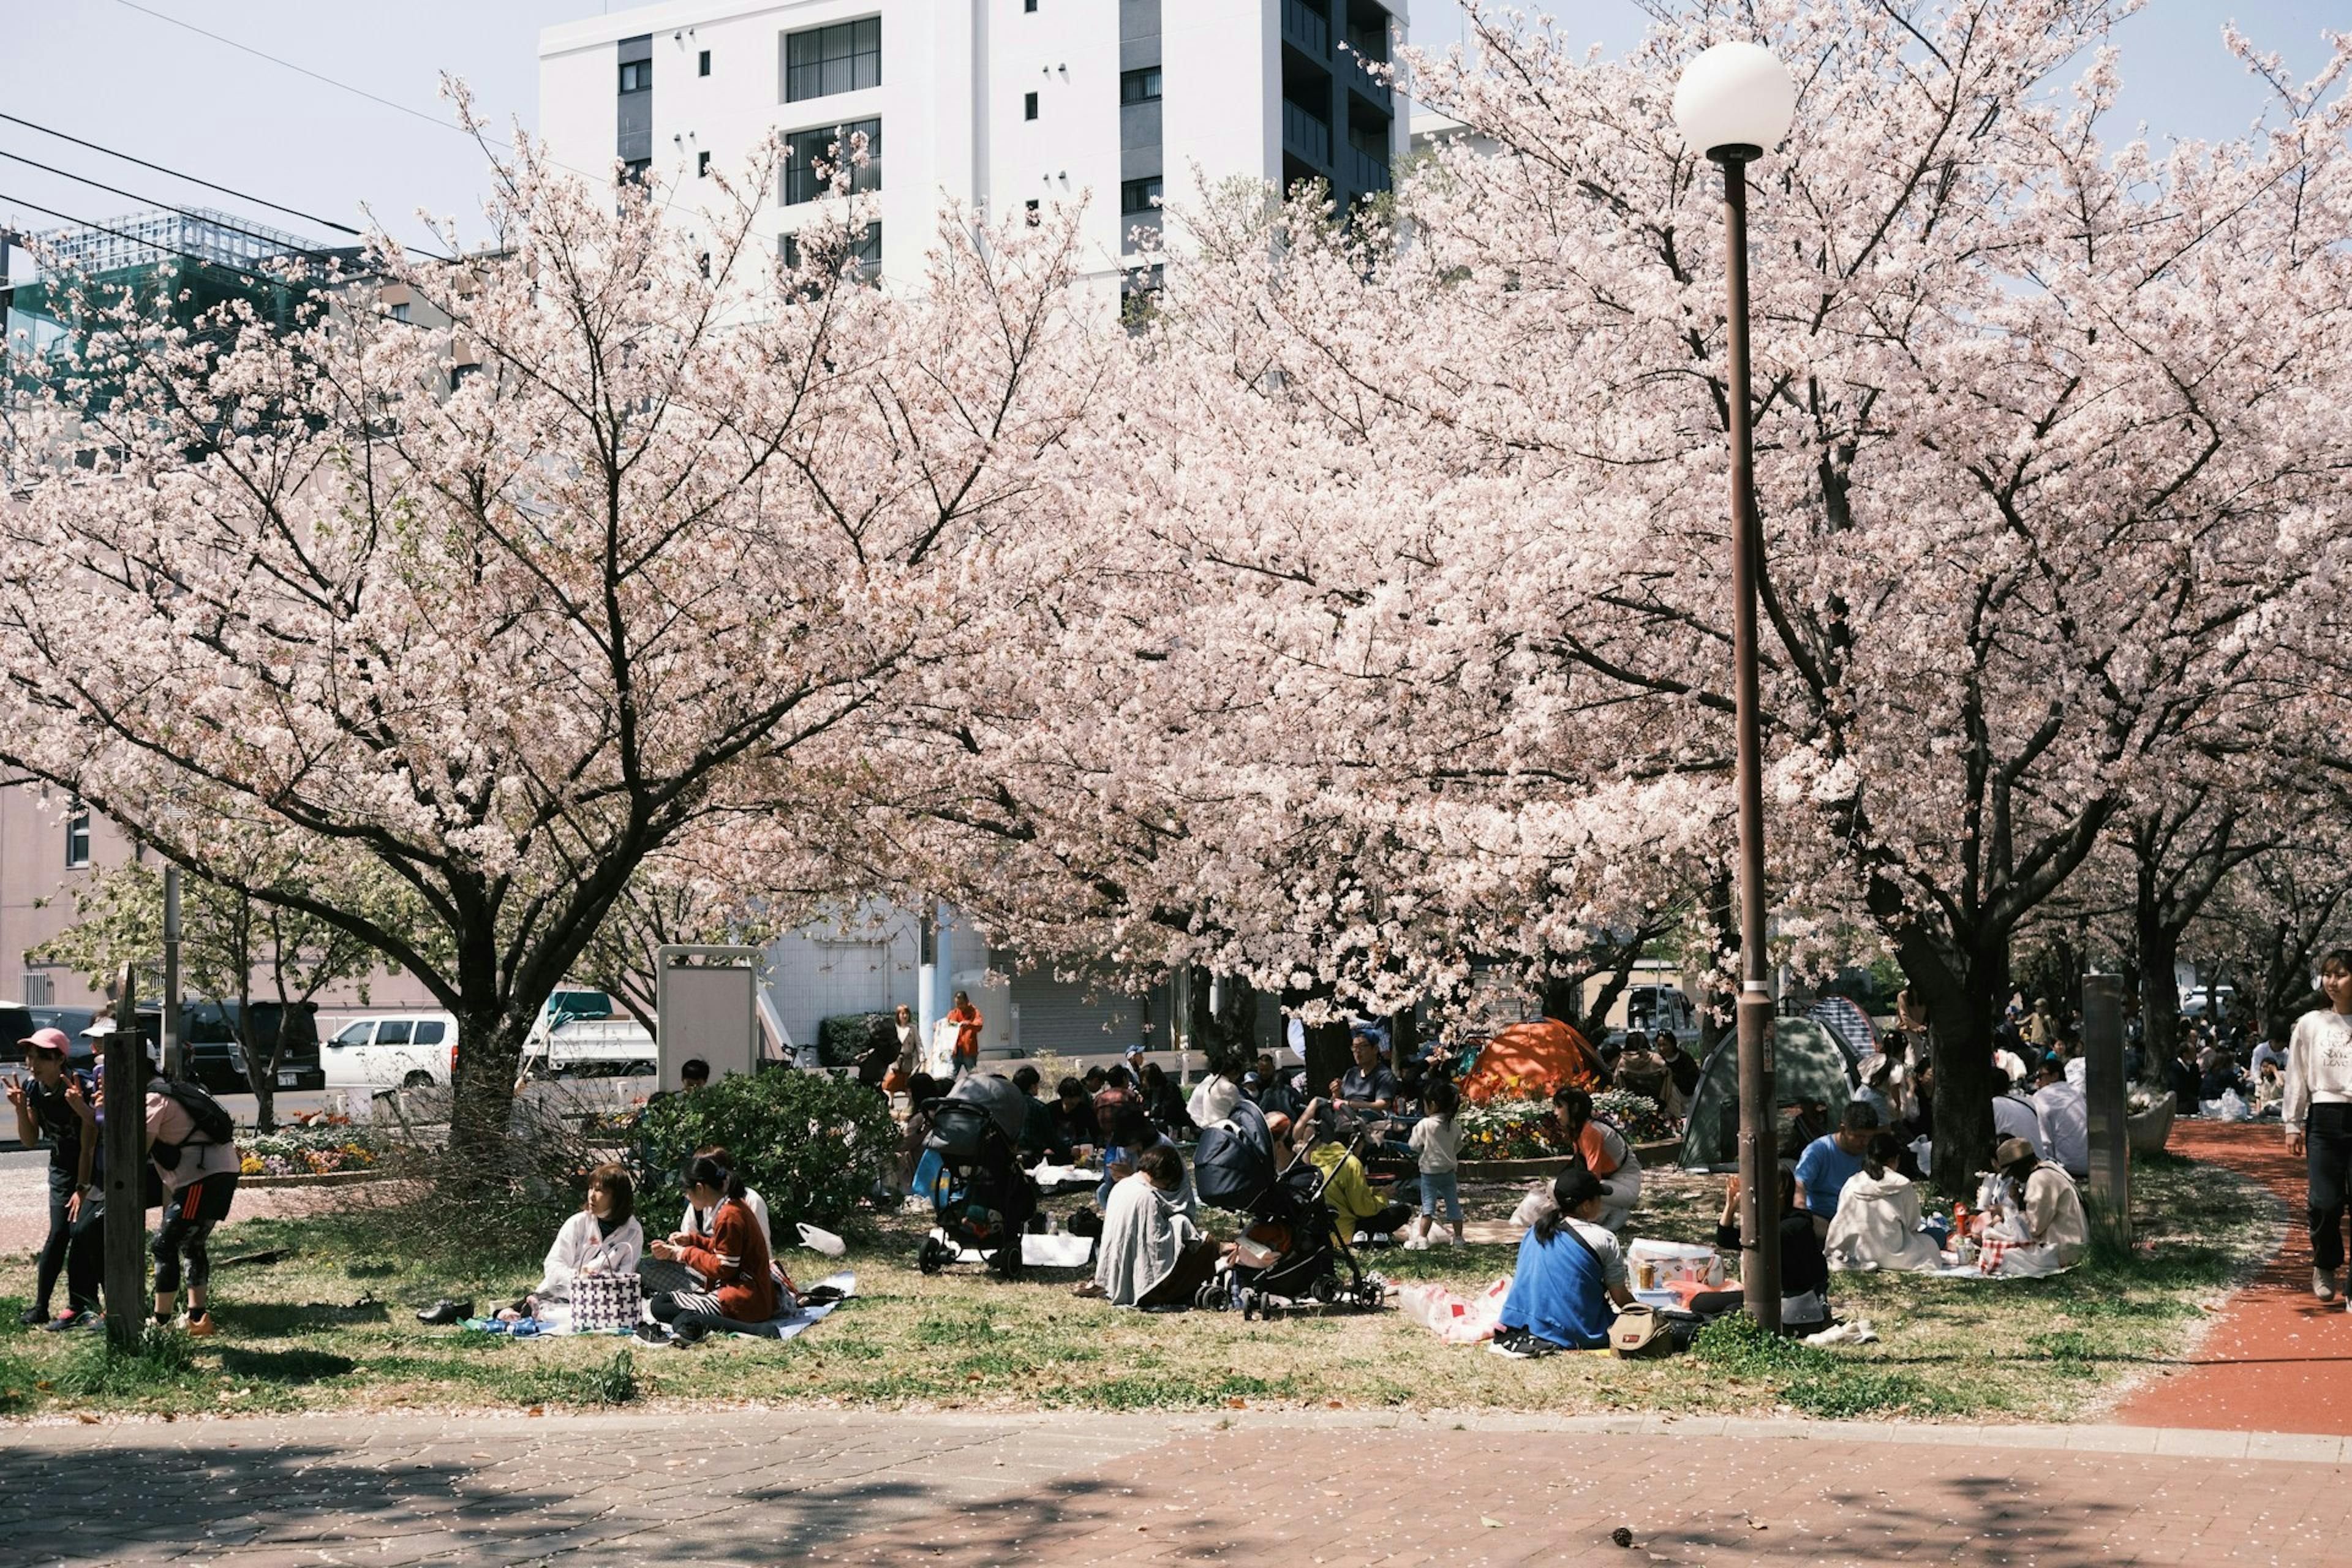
x=212 y=1122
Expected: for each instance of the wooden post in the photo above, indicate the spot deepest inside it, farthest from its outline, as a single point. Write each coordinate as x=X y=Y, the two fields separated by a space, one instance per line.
x=125 y=1135
x=2104 y=1091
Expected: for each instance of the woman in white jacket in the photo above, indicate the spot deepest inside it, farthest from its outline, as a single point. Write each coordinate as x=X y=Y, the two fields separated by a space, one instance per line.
x=604 y=1237
x=1877 y=1222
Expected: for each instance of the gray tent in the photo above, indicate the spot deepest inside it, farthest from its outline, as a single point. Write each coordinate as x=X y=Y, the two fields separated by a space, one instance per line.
x=1808 y=1063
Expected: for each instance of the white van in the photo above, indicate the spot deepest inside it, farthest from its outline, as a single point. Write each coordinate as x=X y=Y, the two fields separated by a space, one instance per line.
x=391 y=1050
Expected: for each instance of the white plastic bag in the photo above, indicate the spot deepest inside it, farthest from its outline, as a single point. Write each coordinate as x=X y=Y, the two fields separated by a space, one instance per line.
x=823 y=1241
x=2230 y=1108
x=1449 y=1316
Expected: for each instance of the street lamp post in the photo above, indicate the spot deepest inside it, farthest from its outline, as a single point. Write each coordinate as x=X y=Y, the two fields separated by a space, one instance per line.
x=1735 y=101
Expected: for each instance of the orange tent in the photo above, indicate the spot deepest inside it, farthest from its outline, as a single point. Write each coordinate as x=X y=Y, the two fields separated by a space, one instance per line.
x=1531 y=1059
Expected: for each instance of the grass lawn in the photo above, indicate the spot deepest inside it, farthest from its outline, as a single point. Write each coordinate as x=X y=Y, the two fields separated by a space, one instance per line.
x=332 y=1327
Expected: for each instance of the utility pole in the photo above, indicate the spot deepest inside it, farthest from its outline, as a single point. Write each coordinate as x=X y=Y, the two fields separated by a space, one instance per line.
x=124 y=1139
x=175 y=1036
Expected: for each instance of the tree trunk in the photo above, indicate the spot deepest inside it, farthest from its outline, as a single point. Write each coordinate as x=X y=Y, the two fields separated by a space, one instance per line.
x=1226 y=1037
x=1328 y=1056
x=481 y=1102
x=1963 y=998
x=2159 y=1001
x=1714 y=1013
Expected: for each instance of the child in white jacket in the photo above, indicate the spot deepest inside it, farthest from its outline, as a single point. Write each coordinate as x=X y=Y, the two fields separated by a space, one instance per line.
x=604 y=1237
x=1877 y=1222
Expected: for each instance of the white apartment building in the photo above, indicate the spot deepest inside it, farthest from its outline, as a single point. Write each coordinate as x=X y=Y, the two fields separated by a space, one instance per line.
x=1003 y=106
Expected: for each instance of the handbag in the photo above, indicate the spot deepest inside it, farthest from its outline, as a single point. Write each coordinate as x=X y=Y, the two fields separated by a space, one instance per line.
x=602 y=1303
x=894 y=1080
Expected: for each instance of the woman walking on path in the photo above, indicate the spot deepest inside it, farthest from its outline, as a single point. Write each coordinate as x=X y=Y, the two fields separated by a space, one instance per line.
x=2316 y=1109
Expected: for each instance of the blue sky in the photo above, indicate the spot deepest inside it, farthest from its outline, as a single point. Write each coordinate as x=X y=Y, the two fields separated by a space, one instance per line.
x=113 y=72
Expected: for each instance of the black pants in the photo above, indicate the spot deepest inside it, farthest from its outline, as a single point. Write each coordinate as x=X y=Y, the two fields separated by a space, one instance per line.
x=1386 y=1223
x=86 y=1256
x=61 y=1236
x=2328 y=1143
x=189 y=1215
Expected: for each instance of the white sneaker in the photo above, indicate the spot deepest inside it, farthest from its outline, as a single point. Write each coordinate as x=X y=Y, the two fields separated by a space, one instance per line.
x=1416 y=1244
x=2323 y=1283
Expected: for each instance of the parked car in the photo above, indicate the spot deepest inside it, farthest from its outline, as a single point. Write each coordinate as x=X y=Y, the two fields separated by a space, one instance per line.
x=1649 y=1007
x=216 y=1053
x=391 y=1050
x=16 y=1021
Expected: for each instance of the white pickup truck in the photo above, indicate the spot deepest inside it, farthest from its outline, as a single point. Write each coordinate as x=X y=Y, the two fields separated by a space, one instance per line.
x=580 y=1034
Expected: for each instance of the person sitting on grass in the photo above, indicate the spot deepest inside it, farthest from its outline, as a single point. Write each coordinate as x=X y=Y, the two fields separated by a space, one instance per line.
x=1804 y=1271
x=1127 y=1133
x=742 y=1287
x=1153 y=1252
x=1602 y=1149
x=921 y=1090
x=604 y=1237
x=1877 y=1222
x=1571 y=1279
x=1164 y=1103
x=1358 y=1211
x=1037 y=1122
x=1073 y=1116
x=2057 y=1232
x=1831 y=1161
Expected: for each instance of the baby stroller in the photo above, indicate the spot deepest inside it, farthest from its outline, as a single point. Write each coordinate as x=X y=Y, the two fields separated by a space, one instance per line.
x=983 y=1199
x=1289 y=1250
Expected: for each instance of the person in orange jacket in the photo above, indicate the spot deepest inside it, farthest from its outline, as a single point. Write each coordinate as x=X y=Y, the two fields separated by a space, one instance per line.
x=741 y=1291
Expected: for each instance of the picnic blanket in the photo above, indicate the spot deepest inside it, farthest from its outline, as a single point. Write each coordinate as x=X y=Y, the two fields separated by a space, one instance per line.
x=1050 y=1178
x=555 y=1318
x=1058 y=1250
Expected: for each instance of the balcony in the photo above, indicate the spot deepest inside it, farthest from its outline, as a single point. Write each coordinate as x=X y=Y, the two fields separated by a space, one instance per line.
x=1306 y=133
x=1306 y=26
x=1362 y=81
x=1364 y=171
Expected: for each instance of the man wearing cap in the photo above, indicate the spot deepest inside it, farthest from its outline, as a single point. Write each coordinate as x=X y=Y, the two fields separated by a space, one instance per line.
x=2057 y=1232
x=57 y=1107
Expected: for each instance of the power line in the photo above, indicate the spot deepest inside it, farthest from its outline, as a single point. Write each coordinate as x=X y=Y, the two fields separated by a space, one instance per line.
x=300 y=70
x=190 y=179
x=344 y=86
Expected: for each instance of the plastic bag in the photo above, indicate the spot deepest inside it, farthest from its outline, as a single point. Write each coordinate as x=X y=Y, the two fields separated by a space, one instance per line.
x=1449 y=1316
x=2230 y=1108
x=823 y=1241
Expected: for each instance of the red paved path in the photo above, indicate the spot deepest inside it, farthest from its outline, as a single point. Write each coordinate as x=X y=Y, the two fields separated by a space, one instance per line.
x=2276 y=1360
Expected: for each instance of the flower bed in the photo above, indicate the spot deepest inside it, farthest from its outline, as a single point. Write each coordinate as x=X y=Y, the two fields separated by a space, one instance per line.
x=1515 y=1129
x=319 y=1149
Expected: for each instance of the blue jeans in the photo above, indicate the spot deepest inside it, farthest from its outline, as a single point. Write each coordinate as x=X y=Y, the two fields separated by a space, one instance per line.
x=1446 y=1185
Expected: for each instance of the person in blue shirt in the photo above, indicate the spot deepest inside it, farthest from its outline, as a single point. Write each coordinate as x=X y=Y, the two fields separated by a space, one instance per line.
x=1571 y=1275
x=1831 y=1161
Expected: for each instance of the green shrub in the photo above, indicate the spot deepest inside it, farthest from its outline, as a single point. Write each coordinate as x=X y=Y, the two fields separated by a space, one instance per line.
x=843 y=1038
x=815 y=1145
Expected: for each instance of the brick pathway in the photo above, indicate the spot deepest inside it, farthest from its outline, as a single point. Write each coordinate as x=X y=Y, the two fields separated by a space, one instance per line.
x=2276 y=1358
x=776 y=1487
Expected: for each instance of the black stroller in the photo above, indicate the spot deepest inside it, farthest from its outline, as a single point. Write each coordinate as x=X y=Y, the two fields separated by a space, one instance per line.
x=1291 y=1234
x=984 y=1198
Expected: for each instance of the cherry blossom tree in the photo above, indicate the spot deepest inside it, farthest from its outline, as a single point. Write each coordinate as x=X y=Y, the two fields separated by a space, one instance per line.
x=1406 y=587
x=507 y=632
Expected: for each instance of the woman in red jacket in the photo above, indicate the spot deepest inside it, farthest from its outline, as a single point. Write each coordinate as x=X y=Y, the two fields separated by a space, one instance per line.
x=740 y=1293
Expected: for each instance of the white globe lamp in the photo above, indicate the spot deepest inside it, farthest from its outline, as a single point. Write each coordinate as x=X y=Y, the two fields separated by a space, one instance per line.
x=1734 y=103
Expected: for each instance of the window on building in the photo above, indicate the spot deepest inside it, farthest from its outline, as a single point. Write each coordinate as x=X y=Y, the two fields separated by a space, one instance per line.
x=828 y=250
x=701 y=164
x=400 y=311
x=38 y=992
x=1140 y=85
x=1035 y=211
x=702 y=63
x=76 y=836
x=842 y=57
x=637 y=75
x=1140 y=196
x=810 y=157
x=1028 y=106
x=1029 y=6
x=637 y=171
